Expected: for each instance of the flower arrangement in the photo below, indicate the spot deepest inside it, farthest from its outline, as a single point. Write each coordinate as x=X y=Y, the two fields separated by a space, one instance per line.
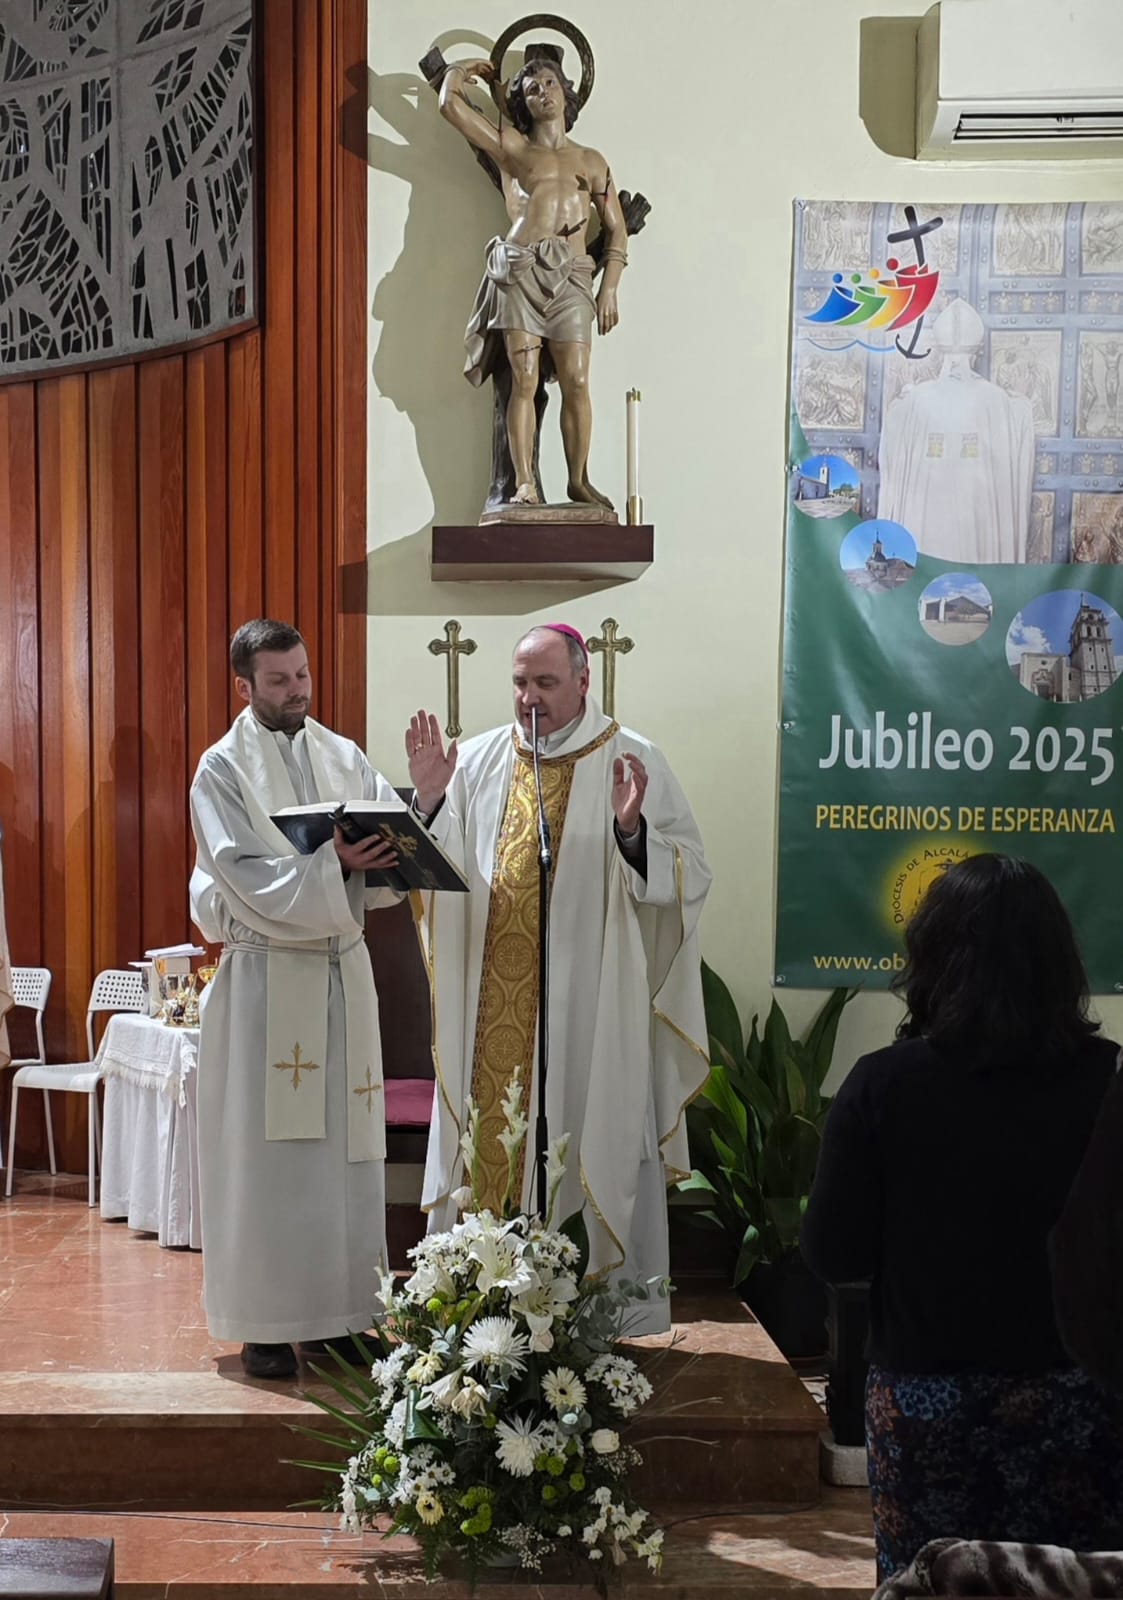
x=491 y=1428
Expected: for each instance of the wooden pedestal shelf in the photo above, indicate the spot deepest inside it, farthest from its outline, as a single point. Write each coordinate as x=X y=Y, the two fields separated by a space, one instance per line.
x=511 y=551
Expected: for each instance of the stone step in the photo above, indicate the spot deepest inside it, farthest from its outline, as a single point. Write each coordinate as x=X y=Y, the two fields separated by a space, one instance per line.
x=730 y=1423
x=823 y=1554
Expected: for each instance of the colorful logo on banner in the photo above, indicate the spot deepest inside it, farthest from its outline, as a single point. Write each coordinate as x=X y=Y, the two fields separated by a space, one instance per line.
x=870 y=301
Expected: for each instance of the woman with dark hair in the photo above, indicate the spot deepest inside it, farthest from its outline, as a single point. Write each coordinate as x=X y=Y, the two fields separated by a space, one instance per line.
x=945 y=1162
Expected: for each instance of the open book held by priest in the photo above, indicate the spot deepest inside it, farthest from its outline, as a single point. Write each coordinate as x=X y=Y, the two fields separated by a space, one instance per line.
x=422 y=864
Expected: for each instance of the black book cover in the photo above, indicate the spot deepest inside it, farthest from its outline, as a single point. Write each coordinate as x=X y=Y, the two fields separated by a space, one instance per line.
x=422 y=864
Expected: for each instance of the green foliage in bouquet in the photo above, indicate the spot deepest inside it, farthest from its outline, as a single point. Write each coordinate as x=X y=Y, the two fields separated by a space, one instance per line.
x=491 y=1428
x=756 y=1128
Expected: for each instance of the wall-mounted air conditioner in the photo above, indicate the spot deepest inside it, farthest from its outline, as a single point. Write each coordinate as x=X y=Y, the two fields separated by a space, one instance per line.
x=1018 y=80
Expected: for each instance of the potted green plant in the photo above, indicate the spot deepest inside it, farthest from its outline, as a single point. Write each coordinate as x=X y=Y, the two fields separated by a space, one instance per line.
x=755 y=1132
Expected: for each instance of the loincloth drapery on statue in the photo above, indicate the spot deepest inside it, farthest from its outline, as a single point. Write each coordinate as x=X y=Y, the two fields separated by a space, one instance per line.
x=541 y=288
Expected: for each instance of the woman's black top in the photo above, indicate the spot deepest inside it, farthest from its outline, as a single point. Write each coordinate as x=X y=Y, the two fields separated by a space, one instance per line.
x=939 y=1180
x=1086 y=1250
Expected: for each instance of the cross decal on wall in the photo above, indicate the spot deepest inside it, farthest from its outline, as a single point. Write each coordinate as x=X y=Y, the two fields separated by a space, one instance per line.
x=609 y=646
x=452 y=648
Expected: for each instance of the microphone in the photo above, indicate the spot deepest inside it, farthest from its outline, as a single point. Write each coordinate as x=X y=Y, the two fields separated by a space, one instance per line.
x=544 y=852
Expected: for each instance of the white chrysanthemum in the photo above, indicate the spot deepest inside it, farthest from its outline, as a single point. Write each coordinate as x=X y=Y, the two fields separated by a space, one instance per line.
x=495 y=1343
x=517 y=1445
x=563 y=1390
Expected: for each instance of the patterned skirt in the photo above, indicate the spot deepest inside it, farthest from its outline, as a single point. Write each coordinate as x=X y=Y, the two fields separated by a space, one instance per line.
x=1037 y=1459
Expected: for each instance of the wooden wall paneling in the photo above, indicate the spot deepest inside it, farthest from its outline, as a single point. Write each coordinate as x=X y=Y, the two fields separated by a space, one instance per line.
x=327 y=160
x=163 y=594
x=65 y=817
x=20 y=788
x=115 y=655
x=279 y=244
x=146 y=510
x=309 y=368
x=208 y=612
x=65 y=822
x=349 y=297
x=245 y=567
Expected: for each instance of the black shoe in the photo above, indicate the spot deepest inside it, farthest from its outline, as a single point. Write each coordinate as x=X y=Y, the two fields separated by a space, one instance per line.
x=343 y=1344
x=269 y=1360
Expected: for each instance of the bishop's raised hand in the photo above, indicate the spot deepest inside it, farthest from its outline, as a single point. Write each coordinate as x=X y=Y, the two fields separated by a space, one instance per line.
x=430 y=765
x=629 y=785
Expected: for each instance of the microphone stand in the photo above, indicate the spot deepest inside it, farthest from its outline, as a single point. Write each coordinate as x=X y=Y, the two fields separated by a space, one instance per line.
x=545 y=863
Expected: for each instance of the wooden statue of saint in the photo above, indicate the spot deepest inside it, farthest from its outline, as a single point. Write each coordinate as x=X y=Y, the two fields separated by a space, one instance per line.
x=534 y=313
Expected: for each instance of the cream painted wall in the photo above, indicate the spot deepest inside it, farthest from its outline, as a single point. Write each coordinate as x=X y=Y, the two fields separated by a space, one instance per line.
x=721 y=113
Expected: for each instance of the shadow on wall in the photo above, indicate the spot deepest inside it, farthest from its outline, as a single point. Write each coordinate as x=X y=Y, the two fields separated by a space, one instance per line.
x=422 y=305
x=887 y=83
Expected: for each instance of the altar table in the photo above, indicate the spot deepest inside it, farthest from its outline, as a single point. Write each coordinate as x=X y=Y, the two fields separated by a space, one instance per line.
x=149 y=1158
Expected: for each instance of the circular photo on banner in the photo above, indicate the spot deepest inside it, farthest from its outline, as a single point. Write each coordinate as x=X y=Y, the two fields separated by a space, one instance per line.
x=826 y=486
x=955 y=609
x=878 y=556
x=1065 y=646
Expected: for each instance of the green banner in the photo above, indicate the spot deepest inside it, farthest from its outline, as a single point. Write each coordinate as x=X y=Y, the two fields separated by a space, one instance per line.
x=953 y=589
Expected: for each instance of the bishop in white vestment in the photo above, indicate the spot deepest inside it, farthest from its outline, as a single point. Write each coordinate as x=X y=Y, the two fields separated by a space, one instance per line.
x=291 y=1119
x=627 y=1044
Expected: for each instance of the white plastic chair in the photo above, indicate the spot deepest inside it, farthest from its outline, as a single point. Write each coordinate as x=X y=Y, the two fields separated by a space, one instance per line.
x=113 y=990
x=30 y=988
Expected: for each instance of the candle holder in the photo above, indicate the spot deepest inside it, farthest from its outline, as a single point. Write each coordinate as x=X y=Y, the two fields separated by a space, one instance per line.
x=190 y=1014
x=635 y=510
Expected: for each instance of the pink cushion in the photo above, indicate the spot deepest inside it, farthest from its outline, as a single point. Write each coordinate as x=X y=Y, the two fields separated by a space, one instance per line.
x=409 y=1102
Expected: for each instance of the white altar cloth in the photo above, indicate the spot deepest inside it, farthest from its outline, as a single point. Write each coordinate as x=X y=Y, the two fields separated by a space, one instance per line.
x=149 y=1159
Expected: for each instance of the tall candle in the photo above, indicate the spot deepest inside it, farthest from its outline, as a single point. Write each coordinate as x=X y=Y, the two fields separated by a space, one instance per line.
x=633 y=443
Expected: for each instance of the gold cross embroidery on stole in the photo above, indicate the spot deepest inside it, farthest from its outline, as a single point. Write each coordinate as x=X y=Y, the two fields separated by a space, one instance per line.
x=296 y=1066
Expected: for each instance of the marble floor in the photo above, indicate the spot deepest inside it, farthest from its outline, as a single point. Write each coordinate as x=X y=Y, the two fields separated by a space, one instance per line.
x=108 y=1367
x=81 y=1295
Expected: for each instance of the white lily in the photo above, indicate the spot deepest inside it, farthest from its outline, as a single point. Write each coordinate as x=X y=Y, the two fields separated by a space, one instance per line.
x=503 y=1264
x=470 y=1400
x=431 y=1279
x=443 y=1392
x=556 y=1156
x=387 y=1283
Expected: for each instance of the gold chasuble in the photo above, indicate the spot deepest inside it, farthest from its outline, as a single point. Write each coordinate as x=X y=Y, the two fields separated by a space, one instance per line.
x=508 y=1003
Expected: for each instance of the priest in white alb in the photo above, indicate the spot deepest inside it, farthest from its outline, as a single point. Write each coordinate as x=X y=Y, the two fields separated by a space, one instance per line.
x=292 y=1138
x=627 y=1041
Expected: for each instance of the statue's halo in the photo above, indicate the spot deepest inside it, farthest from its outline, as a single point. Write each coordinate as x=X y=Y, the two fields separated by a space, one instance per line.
x=559 y=25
